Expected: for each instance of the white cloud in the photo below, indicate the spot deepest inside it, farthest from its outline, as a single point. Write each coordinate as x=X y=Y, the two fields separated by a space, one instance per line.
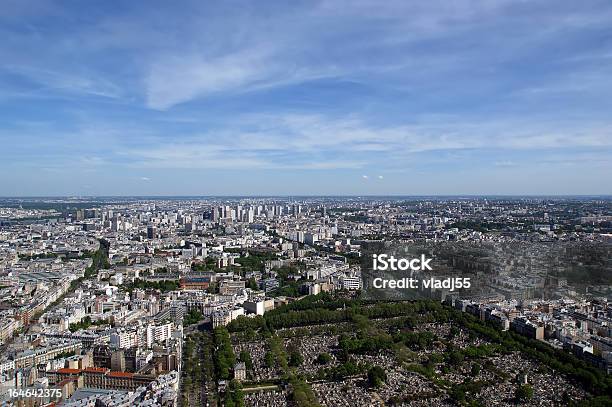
x=69 y=82
x=505 y=164
x=319 y=142
x=175 y=79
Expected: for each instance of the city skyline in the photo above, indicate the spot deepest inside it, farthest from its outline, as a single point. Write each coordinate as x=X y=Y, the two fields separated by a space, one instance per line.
x=306 y=302
x=323 y=98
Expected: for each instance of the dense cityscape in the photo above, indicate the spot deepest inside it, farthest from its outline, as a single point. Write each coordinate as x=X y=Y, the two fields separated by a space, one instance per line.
x=261 y=302
x=323 y=203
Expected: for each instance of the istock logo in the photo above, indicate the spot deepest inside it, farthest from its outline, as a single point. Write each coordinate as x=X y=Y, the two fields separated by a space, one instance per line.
x=383 y=262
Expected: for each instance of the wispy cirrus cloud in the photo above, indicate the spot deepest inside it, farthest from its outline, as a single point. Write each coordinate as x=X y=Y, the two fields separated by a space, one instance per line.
x=53 y=81
x=403 y=87
x=175 y=79
x=319 y=142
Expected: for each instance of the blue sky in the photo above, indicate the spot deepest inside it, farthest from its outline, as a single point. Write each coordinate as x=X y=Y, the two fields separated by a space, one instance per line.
x=298 y=98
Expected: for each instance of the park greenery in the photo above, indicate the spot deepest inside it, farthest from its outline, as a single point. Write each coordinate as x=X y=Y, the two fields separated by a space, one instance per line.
x=346 y=369
x=301 y=393
x=524 y=393
x=28 y=257
x=86 y=323
x=288 y=286
x=192 y=317
x=162 y=285
x=248 y=261
x=234 y=396
x=224 y=357
x=99 y=259
x=376 y=376
x=323 y=358
x=400 y=338
x=198 y=369
x=245 y=357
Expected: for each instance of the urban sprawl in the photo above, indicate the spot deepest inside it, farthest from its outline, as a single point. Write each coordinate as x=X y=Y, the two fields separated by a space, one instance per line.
x=260 y=302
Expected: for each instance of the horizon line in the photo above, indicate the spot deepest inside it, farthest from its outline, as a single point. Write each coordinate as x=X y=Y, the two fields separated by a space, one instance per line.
x=306 y=196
